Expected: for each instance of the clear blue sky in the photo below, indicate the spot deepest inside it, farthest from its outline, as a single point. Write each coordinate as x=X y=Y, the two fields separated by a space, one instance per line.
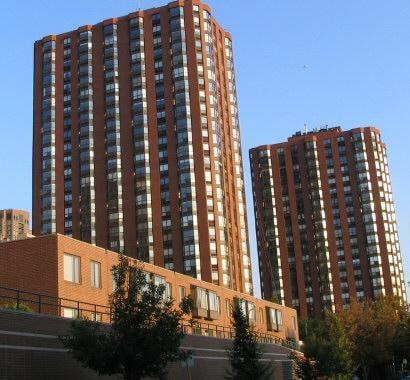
x=357 y=54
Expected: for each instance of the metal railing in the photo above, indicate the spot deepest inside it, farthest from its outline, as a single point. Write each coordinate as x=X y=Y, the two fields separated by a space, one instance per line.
x=45 y=304
x=17 y=299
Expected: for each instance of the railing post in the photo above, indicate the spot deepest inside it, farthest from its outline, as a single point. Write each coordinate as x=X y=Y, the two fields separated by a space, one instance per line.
x=39 y=303
x=95 y=313
x=18 y=300
x=78 y=309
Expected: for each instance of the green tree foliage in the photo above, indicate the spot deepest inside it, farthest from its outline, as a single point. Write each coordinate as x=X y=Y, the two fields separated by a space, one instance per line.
x=245 y=354
x=327 y=349
x=19 y=307
x=375 y=329
x=402 y=340
x=371 y=336
x=145 y=334
x=304 y=367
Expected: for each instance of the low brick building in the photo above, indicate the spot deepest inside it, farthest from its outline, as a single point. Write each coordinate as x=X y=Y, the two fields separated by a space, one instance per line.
x=59 y=275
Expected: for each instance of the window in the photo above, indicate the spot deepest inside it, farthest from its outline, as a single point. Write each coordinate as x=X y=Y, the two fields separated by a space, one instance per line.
x=96 y=317
x=113 y=282
x=158 y=280
x=279 y=319
x=228 y=306
x=275 y=319
x=72 y=268
x=95 y=274
x=182 y=292
x=248 y=309
x=207 y=303
x=251 y=312
x=201 y=299
x=213 y=302
x=260 y=315
x=68 y=312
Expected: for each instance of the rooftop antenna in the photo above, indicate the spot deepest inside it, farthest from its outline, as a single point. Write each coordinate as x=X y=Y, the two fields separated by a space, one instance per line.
x=305 y=68
x=139 y=5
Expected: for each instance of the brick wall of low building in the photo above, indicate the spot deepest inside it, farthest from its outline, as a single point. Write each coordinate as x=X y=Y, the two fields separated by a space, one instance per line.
x=28 y=265
x=38 y=267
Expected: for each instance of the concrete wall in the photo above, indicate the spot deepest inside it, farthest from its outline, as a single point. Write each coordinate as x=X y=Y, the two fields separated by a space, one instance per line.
x=29 y=349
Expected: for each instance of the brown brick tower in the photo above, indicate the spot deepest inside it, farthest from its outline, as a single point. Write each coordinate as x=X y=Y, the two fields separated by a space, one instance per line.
x=137 y=144
x=326 y=224
x=14 y=225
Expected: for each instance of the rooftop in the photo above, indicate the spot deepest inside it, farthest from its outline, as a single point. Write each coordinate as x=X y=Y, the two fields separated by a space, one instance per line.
x=317 y=130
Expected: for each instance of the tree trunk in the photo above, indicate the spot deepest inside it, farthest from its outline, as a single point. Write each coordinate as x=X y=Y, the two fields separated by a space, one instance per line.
x=364 y=372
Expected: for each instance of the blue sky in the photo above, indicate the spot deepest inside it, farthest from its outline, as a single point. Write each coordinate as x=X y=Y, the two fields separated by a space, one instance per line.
x=317 y=62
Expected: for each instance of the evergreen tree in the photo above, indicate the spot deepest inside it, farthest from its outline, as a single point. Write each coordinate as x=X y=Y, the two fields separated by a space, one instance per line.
x=245 y=354
x=145 y=334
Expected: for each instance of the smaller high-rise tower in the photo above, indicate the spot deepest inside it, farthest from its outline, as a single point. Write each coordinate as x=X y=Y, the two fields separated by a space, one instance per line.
x=326 y=224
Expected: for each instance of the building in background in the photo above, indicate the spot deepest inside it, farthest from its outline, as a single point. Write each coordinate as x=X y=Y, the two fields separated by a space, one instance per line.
x=137 y=144
x=14 y=225
x=326 y=224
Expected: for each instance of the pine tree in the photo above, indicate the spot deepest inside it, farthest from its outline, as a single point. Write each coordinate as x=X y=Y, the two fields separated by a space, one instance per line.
x=245 y=355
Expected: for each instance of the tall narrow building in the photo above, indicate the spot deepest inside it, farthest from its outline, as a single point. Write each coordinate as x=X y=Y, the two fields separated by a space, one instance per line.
x=326 y=225
x=137 y=144
x=14 y=225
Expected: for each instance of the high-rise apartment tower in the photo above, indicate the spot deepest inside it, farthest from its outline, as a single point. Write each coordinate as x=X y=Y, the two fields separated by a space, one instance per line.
x=137 y=144
x=14 y=225
x=326 y=225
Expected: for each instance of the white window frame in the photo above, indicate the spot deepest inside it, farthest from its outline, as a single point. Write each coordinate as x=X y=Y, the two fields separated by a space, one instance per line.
x=95 y=274
x=72 y=274
x=69 y=312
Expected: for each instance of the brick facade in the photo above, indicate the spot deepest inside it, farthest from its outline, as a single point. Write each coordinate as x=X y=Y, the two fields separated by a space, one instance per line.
x=326 y=224
x=37 y=265
x=137 y=143
x=14 y=225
